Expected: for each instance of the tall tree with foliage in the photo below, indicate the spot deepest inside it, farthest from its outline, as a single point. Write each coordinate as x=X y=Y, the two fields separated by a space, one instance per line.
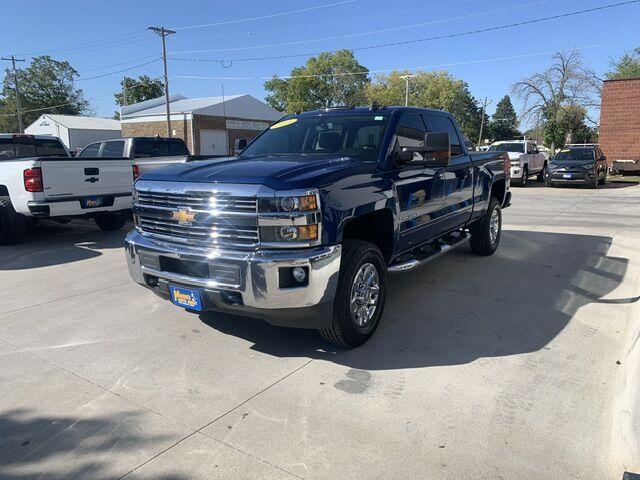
x=554 y=97
x=138 y=90
x=46 y=86
x=627 y=66
x=439 y=90
x=504 y=122
x=327 y=80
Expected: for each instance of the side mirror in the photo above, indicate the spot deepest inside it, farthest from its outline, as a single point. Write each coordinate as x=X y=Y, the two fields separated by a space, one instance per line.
x=402 y=156
x=240 y=144
x=536 y=151
x=437 y=148
x=603 y=158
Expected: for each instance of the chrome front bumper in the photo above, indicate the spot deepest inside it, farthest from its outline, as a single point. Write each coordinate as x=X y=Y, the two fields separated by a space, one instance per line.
x=256 y=290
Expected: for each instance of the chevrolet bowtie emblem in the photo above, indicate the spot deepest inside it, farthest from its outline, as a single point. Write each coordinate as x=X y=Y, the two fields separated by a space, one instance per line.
x=184 y=217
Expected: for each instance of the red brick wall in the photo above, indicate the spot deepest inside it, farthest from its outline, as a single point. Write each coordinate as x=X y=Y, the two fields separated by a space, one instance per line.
x=620 y=120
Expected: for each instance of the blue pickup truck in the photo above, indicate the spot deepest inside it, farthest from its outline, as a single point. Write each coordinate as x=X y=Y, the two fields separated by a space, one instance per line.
x=303 y=226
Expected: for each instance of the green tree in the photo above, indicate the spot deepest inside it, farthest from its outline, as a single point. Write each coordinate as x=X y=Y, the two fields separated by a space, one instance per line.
x=46 y=86
x=138 y=90
x=439 y=90
x=627 y=66
x=327 y=80
x=560 y=96
x=504 y=122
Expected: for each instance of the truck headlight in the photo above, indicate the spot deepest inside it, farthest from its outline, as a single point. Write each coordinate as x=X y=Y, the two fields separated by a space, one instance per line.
x=304 y=203
x=289 y=233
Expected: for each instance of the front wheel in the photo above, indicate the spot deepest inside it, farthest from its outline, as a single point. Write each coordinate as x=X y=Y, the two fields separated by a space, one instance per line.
x=109 y=221
x=360 y=295
x=525 y=176
x=541 y=175
x=603 y=180
x=486 y=232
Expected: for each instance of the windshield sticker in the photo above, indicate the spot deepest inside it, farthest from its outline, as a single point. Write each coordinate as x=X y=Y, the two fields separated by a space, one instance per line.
x=378 y=118
x=284 y=123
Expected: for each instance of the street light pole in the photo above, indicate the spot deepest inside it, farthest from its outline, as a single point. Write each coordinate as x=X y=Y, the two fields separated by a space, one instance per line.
x=164 y=33
x=16 y=87
x=406 y=92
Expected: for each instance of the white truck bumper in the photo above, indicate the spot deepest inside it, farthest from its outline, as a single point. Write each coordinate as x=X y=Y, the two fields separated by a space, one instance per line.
x=74 y=207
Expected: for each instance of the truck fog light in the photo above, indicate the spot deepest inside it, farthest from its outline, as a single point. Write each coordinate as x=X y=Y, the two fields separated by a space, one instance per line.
x=299 y=274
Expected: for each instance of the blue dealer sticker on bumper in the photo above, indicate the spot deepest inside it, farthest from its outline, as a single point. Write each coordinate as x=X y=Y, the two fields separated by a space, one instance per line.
x=186 y=298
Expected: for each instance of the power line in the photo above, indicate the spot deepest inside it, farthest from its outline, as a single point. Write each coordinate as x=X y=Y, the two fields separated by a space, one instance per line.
x=123 y=39
x=119 y=71
x=387 y=70
x=126 y=62
x=445 y=36
x=262 y=17
x=370 y=32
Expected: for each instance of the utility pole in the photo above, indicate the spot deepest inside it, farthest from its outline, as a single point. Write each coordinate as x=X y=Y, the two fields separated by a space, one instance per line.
x=484 y=109
x=164 y=33
x=13 y=61
x=406 y=92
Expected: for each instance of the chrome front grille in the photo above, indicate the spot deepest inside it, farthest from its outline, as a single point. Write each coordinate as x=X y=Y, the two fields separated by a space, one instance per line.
x=202 y=218
x=204 y=201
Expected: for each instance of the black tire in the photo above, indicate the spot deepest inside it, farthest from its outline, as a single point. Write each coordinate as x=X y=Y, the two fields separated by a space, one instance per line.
x=109 y=221
x=344 y=330
x=525 y=176
x=541 y=175
x=13 y=226
x=482 y=242
x=595 y=182
x=603 y=180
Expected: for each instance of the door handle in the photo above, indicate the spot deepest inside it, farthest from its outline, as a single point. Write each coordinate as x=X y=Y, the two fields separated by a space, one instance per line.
x=91 y=171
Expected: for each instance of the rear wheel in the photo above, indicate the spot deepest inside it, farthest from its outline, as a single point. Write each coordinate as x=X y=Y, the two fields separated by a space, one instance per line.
x=13 y=226
x=360 y=295
x=109 y=221
x=486 y=232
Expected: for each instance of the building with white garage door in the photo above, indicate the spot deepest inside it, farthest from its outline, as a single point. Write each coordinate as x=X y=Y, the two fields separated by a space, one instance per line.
x=209 y=126
x=75 y=131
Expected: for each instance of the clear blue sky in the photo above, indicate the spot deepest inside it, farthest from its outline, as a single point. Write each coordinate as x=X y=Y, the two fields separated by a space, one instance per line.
x=95 y=36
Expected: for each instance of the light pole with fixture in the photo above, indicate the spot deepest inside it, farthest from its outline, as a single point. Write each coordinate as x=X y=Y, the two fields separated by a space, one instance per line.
x=406 y=93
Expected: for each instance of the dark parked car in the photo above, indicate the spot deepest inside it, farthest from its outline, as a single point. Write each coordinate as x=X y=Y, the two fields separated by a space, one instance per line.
x=578 y=165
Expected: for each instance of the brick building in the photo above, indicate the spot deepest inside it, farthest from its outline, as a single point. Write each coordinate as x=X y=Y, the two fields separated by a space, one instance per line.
x=209 y=126
x=620 y=120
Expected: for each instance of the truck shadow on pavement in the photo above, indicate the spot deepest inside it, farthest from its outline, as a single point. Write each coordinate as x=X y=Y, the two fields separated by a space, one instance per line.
x=58 y=447
x=463 y=307
x=51 y=244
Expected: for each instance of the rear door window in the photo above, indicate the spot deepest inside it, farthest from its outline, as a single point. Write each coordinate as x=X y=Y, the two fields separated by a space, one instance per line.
x=50 y=148
x=177 y=147
x=90 y=151
x=112 y=149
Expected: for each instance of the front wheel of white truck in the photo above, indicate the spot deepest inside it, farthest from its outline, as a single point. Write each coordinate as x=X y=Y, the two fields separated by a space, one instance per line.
x=13 y=226
x=360 y=296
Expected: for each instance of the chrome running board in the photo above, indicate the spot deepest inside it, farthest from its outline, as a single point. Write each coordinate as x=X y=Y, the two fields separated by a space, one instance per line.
x=418 y=262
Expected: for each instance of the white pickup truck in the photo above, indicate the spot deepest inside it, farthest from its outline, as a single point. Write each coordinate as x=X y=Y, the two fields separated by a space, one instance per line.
x=39 y=179
x=526 y=160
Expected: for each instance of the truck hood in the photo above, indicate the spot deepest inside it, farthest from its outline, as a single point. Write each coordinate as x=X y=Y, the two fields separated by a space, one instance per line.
x=571 y=163
x=276 y=172
x=514 y=155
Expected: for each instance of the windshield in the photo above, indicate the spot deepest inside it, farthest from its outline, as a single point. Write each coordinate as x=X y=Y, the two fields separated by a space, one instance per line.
x=323 y=135
x=575 y=155
x=507 y=147
x=12 y=148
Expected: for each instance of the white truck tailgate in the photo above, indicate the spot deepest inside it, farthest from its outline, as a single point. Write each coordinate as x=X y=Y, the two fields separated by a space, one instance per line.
x=86 y=177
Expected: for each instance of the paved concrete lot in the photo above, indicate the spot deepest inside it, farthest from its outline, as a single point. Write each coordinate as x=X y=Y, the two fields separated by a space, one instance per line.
x=483 y=368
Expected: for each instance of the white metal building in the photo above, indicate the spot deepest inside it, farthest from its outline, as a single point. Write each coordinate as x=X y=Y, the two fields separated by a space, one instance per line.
x=75 y=131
